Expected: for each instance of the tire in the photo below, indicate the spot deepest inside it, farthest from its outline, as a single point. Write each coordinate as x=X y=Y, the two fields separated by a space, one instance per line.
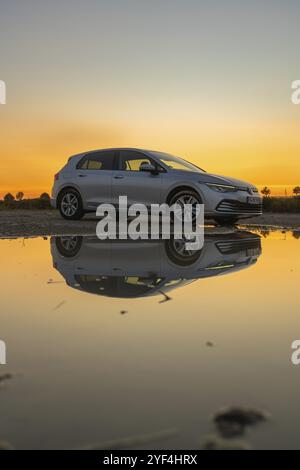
x=70 y=204
x=188 y=196
x=178 y=253
x=68 y=246
x=226 y=220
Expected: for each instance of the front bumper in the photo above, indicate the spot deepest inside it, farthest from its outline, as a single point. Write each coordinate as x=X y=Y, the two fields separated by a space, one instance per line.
x=233 y=207
x=235 y=204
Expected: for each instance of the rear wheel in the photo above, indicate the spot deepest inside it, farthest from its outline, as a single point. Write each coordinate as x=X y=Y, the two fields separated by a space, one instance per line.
x=70 y=204
x=68 y=246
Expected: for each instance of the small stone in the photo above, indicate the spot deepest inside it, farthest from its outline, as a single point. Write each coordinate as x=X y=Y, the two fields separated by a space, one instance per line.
x=217 y=443
x=6 y=376
x=233 y=420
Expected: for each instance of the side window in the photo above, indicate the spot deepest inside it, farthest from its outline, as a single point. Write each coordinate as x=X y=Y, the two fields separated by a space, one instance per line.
x=131 y=161
x=97 y=161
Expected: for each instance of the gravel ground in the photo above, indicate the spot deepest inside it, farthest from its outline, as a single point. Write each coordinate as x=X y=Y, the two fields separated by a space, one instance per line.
x=28 y=223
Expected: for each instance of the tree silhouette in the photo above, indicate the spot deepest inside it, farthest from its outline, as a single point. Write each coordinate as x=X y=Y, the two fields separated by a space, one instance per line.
x=19 y=196
x=45 y=196
x=266 y=191
x=8 y=197
x=296 y=190
x=265 y=233
x=296 y=234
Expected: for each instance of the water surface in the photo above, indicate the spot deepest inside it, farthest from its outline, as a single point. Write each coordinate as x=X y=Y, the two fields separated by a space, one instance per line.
x=108 y=341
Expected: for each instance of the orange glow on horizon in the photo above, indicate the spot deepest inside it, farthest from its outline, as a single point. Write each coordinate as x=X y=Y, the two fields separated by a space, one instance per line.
x=43 y=147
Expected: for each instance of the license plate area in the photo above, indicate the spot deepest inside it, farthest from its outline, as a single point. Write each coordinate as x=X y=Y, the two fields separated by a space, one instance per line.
x=253 y=200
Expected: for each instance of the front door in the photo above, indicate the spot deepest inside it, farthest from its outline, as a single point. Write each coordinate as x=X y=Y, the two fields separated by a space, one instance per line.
x=139 y=186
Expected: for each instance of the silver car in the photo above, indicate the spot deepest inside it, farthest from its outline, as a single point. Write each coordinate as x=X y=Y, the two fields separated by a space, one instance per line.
x=147 y=176
x=126 y=268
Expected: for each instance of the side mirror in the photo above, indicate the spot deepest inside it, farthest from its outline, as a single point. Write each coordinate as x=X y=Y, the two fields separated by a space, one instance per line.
x=148 y=167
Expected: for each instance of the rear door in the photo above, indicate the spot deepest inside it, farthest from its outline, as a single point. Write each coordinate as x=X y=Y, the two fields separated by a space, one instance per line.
x=94 y=177
x=128 y=180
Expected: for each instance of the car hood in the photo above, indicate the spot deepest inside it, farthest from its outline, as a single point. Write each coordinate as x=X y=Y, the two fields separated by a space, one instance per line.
x=212 y=178
x=229 y=180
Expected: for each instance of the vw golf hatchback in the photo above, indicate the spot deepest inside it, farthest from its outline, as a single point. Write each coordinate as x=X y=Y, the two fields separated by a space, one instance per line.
x=147 y=176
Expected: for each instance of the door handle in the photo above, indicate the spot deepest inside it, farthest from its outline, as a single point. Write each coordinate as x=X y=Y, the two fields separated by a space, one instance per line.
x=118 y=177
x=82 y=176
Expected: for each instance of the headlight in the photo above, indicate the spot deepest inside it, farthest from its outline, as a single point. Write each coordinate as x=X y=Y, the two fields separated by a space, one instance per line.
x=222 y=188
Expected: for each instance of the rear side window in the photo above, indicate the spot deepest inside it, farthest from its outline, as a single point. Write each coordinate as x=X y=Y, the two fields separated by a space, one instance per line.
x=97 y=161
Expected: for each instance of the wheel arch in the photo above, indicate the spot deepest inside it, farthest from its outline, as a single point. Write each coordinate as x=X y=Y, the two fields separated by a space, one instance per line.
x=183 y=187
x=64 y=188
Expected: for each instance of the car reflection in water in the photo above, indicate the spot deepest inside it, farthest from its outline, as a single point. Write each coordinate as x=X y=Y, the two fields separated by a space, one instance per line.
x=128 y=269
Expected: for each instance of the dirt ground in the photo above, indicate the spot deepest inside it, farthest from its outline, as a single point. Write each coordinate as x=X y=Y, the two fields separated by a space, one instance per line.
x=28 y=223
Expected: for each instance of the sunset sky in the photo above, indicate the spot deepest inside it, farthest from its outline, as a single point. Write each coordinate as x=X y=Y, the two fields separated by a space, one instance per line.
x=208 y=80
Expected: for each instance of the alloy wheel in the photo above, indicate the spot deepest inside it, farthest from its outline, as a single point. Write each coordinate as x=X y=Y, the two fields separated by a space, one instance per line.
x=69 y=204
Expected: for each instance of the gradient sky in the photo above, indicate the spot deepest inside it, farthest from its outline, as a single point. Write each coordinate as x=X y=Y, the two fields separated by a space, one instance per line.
x=208 y=80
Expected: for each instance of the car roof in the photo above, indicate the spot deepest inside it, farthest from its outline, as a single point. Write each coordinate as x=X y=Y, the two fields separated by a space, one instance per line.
x=116 y=149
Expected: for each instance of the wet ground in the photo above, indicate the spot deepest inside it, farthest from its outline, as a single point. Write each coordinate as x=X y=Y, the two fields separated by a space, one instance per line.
x=145 y=345
x=27 y=223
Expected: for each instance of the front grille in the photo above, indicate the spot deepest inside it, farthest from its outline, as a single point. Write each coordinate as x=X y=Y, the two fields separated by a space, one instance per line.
x=232 y=207
x=227 y=247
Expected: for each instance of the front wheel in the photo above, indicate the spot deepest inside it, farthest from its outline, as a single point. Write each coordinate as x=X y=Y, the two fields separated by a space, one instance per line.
x=70 y=205
x=186 y=201
x=179 y=254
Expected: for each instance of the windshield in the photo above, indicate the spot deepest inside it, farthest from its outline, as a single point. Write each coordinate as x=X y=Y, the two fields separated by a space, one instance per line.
x=176 y=163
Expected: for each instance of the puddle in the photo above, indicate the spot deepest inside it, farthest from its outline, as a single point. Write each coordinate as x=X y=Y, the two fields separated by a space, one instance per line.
x=109 y=340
